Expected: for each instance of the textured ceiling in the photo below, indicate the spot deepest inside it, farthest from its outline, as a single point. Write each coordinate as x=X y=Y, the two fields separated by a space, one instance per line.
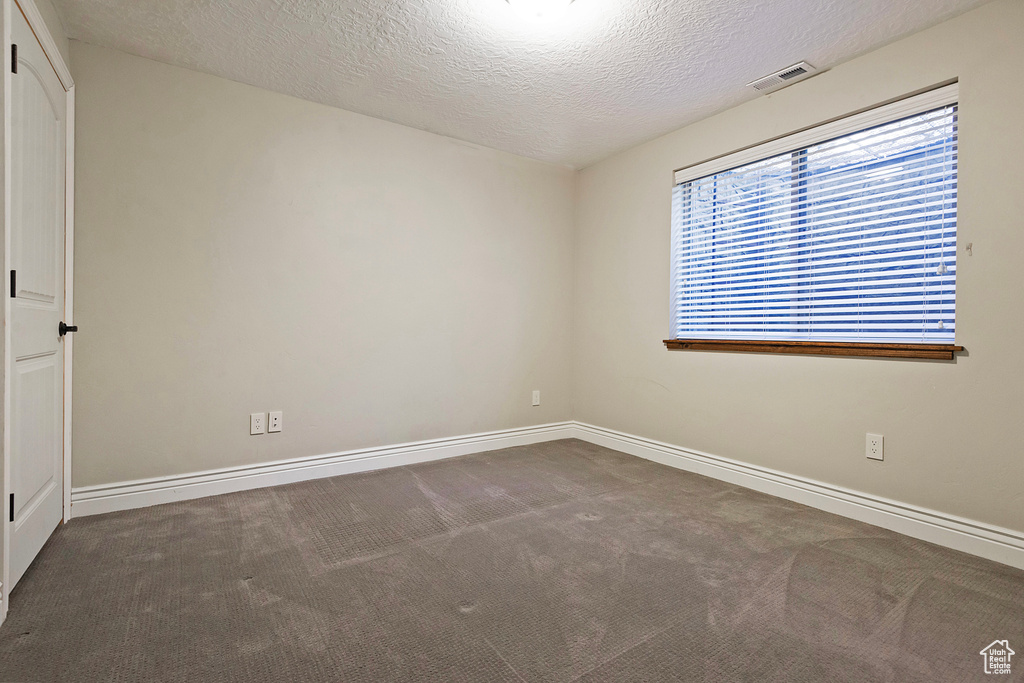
x=608 y=75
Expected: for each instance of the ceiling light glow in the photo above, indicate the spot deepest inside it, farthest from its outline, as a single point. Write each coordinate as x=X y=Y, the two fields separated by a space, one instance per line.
x=541 y=11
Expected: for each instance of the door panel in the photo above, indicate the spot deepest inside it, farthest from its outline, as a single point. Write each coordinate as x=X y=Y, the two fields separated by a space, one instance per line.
x=35 y=166
x=34 y=395
x=38 y=139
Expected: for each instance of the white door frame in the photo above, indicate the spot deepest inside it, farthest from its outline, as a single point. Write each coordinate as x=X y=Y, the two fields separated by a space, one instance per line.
x=35 y=21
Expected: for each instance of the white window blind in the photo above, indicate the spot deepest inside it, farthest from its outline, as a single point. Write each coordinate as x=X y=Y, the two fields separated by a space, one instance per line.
x=846 y=233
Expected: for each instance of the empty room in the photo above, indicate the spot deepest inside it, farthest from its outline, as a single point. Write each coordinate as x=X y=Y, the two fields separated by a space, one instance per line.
x=535 y=341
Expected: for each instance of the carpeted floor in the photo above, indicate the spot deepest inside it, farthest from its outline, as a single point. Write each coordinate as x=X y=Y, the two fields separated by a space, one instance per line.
x=562 y=561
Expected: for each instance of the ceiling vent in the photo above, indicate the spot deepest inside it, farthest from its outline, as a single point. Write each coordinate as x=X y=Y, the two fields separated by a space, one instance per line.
x=791 y=74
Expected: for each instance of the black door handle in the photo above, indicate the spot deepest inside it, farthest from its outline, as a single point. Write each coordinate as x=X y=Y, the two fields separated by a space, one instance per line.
x=63 y=329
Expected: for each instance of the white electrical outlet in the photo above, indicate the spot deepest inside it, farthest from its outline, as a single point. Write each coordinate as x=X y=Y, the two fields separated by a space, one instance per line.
x=274 y=423
x=873 y=446
x=536 y=397
x=258 y=423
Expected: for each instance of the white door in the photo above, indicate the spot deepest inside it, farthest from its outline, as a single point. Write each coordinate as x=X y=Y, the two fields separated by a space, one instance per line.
x=38 y=141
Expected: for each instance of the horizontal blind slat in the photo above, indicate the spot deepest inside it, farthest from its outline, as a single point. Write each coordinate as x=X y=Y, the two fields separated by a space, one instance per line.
x=772 y=189
x=913 y=235
x=725 y=229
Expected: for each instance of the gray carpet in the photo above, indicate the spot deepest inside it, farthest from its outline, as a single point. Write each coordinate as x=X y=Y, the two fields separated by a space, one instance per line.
x=556 y=562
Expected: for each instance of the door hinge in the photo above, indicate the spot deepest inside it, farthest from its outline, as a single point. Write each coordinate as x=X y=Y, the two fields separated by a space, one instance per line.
x=12 y=507
x=14 y=58
x=14 y=284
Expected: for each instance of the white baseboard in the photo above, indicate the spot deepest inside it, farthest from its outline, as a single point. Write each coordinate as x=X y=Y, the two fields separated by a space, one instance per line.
x=94 y=500
x=977 y=538
x=984 y=540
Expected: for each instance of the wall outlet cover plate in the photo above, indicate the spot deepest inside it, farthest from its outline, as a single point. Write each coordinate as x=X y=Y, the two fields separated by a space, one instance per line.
x=873 y=446
x=258 y=423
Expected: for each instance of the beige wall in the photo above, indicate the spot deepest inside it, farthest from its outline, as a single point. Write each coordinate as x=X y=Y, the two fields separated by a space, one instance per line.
x=240 y=251
x=954 y=432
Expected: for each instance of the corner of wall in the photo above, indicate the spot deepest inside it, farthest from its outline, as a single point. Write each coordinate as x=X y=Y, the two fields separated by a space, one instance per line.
x=574 y=294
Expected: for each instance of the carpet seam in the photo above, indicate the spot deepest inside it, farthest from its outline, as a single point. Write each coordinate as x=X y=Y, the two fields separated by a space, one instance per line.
x=502 y=658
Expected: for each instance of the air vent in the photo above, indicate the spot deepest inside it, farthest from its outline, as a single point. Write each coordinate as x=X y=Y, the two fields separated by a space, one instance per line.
x=791 y=74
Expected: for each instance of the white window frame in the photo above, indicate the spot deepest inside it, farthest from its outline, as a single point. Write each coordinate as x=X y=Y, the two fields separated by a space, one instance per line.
x=910 y=106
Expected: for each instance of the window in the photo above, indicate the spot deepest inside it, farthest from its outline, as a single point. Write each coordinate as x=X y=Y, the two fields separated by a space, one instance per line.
x=840 y=239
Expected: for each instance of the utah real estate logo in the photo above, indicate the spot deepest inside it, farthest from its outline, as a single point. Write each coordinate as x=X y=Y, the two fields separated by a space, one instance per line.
x=997 y=657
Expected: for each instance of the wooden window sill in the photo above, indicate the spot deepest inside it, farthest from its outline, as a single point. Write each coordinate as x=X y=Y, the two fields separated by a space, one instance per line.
x=927 y=351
